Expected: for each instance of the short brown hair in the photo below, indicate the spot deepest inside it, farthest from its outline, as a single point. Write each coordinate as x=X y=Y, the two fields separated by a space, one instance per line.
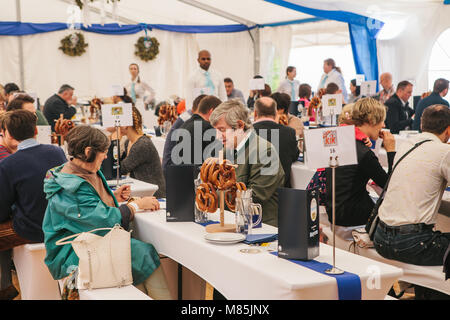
x=332 y=88
x=196 y=102
x=304 y=91
x=283 y=101
x=21 y=124
x=435 y=119
x=208 y=103
x=368 y=110
x=19 y=101
x=403 y=84
x=264 y=109
x=83 y=136
x=440 y=85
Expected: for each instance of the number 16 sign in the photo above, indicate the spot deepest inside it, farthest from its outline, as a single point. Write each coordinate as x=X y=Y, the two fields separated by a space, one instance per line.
x=321 y=144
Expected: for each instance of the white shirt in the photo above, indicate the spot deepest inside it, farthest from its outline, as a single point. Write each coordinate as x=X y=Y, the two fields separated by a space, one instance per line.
x=418 y=183
x=197 y=85
x=286 y=87
x=142 y=90
x=336 y=77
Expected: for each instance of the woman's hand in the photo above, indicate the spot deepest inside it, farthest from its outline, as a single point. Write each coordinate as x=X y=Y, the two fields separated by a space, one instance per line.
x=367 y=142
x=388 y=141
x=123 y=193
x=148 y=203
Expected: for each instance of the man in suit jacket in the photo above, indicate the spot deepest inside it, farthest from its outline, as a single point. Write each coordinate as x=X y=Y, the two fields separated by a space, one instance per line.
x=440 y=90
x=399 y=114
x=60 y=104
x=282 y=137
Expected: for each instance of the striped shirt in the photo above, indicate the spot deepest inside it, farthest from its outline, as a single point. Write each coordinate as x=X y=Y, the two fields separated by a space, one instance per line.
x=3 y=152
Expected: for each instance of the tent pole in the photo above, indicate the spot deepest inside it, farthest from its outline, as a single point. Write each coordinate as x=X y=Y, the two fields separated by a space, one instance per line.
x=20 y=41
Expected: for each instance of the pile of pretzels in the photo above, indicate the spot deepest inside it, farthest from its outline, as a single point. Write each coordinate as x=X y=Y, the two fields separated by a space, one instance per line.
x=283 y=120
x=167 y=113
x=220 y=175
x=63 y=126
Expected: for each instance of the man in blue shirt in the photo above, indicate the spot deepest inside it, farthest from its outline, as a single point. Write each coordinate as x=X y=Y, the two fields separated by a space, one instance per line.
x=440 y=90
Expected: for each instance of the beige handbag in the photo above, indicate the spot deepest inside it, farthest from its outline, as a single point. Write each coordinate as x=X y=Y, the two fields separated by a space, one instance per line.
x=105 y=262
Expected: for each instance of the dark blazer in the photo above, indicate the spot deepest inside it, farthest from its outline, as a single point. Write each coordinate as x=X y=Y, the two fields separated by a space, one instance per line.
x=54 y=106
x=398 y=117
x=286 y=147
x=197 y=143
x=353 y=203
x=432 y=99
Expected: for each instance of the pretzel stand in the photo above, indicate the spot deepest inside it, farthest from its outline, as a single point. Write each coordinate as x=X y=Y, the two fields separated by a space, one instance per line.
x=221 y=227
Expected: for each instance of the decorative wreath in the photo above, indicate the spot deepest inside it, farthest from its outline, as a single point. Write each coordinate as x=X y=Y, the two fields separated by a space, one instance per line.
x=147 y=48
x=73 y=44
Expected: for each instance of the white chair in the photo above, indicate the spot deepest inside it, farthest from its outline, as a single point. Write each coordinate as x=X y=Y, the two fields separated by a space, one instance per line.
x=35 y=281
x=426 y=276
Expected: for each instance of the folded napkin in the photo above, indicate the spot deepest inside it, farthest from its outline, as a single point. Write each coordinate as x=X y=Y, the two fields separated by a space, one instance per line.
x=208 y=222
x=447 y=189
x=261 y=238
x=300 y=158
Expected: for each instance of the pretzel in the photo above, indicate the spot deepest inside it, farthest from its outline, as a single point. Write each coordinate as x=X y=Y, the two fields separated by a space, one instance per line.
x=167 y=113
x=206 y=198
x=315 y=102
x=283 y=120
x=222 y=176
x=63 y=126
x=230 y=195
x=95 y=106
x=425 y=94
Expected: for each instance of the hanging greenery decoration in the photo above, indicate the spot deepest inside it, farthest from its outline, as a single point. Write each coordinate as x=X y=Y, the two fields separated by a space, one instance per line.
x=73 y=44
x=147 y=48
x=80 y=2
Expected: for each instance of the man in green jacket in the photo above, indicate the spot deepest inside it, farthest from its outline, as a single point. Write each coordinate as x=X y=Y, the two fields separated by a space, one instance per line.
x=258 y=162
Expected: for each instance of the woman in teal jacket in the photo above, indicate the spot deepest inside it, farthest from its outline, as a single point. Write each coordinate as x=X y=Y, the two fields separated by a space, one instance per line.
x=79 y=200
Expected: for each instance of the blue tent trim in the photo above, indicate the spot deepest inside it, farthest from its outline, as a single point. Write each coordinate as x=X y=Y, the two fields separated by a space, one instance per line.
x=446 y=1
x=363 y=32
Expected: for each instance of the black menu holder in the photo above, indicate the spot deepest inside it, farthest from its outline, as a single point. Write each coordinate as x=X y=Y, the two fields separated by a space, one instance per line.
x=109 y=165
x=298 y=224
x=180 y=193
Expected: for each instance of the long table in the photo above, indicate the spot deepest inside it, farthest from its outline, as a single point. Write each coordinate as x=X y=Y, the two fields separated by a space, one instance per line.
x=257 y=276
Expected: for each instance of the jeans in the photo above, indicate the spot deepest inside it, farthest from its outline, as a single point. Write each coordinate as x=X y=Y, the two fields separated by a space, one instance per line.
x=424 y=248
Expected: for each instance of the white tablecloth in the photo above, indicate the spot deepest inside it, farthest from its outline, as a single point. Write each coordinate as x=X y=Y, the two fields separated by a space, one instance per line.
x=257 y=276
x=300 y=175
x=138 y=188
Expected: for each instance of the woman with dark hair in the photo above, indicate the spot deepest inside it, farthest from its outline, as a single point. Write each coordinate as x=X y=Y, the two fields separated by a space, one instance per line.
x=79 y=200
x=304 y=94
x=332 y=73
x=141 y=159
x=355 y=92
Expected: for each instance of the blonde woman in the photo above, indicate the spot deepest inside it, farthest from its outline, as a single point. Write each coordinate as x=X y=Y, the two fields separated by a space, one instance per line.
x=141 y=159
x=353 y=203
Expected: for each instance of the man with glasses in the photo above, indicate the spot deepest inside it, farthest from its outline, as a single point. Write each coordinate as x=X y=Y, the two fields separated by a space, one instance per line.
x=204 y=81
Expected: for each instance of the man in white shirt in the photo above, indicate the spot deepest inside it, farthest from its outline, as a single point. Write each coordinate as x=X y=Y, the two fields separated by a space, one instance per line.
x=408 y=212
x=204 y=81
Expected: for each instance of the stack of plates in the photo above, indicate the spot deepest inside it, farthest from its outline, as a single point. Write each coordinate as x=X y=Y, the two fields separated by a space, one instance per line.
x=224 y=237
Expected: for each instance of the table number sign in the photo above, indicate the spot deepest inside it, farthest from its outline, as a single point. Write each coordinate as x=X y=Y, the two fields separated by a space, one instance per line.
x=369 y=88
x=117 y=115
x=360 y=78
x=256 y=84
x=331 y=104
x=321 y=144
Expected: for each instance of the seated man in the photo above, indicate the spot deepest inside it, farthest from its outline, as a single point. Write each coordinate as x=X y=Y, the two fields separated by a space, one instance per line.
x=60 y=103
x=257 y=159
x=399 y=114
x=22 y=199
x=232 y=92
x=408 y=212
x=197 y=135
x=282 y=137
x=24 y=101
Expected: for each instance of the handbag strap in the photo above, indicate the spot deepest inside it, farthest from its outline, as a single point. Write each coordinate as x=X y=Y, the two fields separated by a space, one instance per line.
x=395 y=166
x=64 y=241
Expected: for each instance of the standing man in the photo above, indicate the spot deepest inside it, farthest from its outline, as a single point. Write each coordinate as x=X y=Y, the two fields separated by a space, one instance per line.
x=399 y=114
x=62 y=102
x=204 y=81
x=233 y=93
x=440 y=90
x=388 y=89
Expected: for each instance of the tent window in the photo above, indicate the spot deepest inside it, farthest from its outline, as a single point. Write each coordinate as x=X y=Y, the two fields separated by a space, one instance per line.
x=439 y=66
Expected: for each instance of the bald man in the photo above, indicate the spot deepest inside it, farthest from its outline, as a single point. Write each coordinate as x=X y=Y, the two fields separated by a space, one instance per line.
x=204 y=80
x=388 y=89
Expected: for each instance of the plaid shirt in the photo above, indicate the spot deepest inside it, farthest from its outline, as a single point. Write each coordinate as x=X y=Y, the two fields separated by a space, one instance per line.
x=385 y=95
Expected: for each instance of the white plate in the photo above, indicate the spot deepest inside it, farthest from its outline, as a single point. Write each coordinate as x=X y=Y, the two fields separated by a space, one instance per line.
x=224 y=237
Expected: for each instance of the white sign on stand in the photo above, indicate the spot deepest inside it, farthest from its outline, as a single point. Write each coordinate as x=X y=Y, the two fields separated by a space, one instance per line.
x=44 y=134
x=114 y=114
x=256 y=84
x=369 y=88
x=331 y=104
x=117 y=90
x=321 y=144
